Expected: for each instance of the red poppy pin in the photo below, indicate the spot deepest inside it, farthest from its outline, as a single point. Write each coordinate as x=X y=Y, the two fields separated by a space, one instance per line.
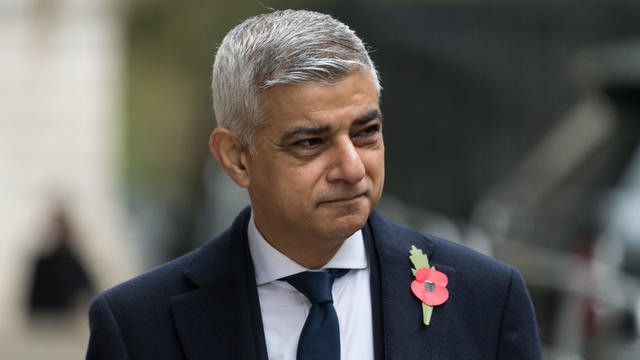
x=430 y=285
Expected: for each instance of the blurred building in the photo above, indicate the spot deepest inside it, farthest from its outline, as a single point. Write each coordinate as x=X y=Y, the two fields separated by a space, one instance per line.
x=60 y=135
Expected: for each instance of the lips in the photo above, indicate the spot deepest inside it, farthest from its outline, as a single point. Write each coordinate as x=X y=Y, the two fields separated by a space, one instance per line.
x=343 y=198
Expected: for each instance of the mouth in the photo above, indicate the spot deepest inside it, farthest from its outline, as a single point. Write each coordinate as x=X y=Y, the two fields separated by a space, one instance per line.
x=345 y=200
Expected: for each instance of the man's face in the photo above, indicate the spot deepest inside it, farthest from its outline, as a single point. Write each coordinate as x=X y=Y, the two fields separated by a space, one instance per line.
x=318 y=167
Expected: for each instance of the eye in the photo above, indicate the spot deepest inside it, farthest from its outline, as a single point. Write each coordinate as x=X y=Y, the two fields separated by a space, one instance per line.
x=369 y=131
x=308 y=143
x=306 y=148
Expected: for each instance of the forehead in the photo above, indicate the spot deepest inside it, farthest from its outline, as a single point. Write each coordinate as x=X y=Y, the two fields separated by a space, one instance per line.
x=338 y=104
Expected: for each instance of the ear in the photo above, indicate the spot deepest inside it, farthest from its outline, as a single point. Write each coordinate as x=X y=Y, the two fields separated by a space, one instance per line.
x=230 y=152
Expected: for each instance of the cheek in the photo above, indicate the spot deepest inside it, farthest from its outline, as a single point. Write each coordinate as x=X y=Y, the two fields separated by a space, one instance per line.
x=307 y=180
x=374 y=165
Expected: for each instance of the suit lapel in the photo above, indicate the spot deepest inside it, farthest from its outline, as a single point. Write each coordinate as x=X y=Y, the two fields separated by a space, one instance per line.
x=405 y=335
x=217 y=319
x=376 y=298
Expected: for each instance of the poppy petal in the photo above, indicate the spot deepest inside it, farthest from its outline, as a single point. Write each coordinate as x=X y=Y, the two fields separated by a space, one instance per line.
x=423 y=274
x=438 y=296
x=437 y=277
x=432 y=275
x=417 y=287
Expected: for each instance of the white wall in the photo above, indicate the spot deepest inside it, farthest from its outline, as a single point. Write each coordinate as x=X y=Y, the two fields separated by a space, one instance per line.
x=60 y=135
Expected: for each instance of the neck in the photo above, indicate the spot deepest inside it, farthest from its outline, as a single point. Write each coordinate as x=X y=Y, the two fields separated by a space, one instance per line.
x=306 y=256
x=308 y=251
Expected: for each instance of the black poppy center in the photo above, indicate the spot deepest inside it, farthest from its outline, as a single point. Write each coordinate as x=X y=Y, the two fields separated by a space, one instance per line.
x=429 y=286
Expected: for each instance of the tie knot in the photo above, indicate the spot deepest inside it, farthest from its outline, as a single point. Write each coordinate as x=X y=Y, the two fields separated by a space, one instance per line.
x=315 y=285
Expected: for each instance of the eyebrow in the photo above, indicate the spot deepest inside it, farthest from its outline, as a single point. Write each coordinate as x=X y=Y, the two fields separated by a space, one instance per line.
x=319 y=130
x=304 y=130
x=371 y=115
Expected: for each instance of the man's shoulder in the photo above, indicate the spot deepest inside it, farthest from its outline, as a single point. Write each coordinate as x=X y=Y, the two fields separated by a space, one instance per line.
x=146 y=304
x=182 y=274
x=400 y=238
x=160 y=282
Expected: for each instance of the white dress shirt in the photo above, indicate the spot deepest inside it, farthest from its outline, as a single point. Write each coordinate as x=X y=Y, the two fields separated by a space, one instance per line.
x=284 y=309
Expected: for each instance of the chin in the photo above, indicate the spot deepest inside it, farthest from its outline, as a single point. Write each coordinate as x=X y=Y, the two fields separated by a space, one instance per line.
x=344 y=227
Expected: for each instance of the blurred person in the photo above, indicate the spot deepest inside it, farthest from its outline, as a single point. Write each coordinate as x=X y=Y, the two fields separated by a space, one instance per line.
x=60 y=283
x=310 y=270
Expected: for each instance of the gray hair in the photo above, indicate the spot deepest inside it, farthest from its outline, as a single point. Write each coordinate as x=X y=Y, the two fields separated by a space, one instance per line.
x=282 y=47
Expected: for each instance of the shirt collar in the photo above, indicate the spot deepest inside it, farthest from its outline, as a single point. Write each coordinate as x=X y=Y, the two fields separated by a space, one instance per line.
x=270 y=264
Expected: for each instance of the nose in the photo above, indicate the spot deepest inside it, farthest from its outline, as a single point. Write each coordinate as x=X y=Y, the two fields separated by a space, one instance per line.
x=346 y=163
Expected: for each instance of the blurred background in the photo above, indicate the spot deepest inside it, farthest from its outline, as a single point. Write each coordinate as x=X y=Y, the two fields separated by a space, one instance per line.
x=511 y=127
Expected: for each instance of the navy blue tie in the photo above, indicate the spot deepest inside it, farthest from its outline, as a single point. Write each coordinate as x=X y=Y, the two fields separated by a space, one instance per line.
x=320 y=336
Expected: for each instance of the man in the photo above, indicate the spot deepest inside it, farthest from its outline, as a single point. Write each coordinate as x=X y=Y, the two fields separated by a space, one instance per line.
x=297 y=102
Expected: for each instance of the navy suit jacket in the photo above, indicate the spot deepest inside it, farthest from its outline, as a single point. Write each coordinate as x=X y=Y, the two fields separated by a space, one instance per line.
x=204 y=305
